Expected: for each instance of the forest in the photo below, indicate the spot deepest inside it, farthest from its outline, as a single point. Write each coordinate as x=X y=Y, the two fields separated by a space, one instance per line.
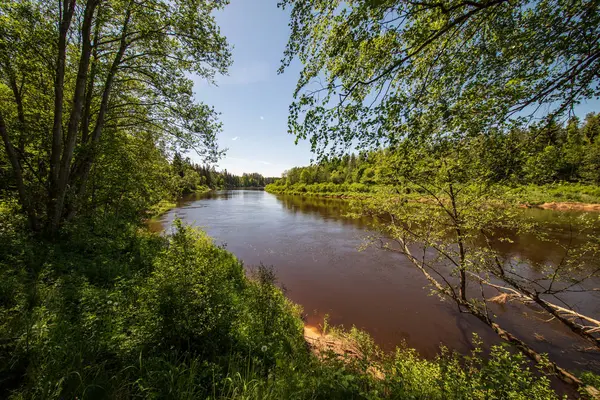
x=190 y=177
x=450 y=103
x=548 y=162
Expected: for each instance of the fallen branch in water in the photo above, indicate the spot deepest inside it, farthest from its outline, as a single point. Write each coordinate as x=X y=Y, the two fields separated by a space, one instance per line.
x=567 y=316
x=471 y=308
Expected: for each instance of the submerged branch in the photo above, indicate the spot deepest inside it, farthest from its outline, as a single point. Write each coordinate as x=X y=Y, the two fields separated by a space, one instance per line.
x=565 y=315
x=472 y=309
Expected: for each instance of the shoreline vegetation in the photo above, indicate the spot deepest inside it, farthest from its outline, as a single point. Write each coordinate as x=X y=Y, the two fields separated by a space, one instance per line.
x=560 y=197
x=164 y=206
x=178 y=316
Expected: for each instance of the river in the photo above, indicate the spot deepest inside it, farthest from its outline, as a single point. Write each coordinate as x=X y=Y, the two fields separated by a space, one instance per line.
x=314 y=251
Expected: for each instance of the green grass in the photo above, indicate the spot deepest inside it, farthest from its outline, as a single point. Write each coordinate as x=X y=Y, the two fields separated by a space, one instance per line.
x=556 y=192
x=161 y=208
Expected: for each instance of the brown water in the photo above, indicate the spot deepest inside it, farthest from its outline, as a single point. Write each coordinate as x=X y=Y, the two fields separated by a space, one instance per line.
x=314 y=251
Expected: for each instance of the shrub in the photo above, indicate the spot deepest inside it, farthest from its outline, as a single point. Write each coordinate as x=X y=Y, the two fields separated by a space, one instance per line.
x=190 y=300
x=359 y=188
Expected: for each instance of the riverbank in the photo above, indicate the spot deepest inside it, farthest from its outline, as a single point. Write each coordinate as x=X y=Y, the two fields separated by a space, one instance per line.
x=161 y=208
x=164 y=206
x=146 y=315
x=561 y=197
x=565 y=206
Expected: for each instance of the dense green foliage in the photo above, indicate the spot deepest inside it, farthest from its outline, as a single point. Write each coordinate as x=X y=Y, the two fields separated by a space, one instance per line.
x=115 y=311
x=95 y=94
x=193 y=177
x=374 y=72
x=543 y=163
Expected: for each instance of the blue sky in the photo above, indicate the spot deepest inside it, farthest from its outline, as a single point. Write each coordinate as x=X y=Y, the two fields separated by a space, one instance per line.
x=253 y=100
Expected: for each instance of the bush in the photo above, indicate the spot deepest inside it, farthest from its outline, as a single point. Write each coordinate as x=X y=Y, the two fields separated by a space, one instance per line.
x=75 y=324
x=190 y=300
x=359 y=188
x=450 y=376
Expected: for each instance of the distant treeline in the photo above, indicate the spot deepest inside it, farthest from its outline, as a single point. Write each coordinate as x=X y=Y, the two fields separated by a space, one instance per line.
x=194 y=177
x=542 y=154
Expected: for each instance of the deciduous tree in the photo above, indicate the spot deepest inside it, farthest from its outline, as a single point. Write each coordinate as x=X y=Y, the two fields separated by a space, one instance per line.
x=72 y=71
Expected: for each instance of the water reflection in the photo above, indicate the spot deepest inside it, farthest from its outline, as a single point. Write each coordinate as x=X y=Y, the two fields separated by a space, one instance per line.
x=324 y=208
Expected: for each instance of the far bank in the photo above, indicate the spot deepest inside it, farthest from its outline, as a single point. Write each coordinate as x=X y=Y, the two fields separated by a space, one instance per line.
x=560 y=196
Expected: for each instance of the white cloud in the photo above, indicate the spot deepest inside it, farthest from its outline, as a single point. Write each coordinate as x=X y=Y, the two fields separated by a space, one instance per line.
x=262 y=118
x=235 y=138
x=265 y=162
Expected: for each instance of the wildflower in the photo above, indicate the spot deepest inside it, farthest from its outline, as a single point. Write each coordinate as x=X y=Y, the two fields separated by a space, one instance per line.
x=264 y=348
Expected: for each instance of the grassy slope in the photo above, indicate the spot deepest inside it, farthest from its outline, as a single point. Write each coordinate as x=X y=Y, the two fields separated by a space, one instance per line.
x=558 y=192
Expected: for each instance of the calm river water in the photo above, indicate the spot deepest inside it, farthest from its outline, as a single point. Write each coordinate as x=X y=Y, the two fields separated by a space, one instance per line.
x=314 y=251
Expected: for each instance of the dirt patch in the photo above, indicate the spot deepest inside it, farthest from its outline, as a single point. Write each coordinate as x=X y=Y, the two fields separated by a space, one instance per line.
x=565 y=206
x=320 y=343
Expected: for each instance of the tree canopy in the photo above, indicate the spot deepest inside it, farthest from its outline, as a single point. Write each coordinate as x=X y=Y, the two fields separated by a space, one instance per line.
x=542 y=154
x=83 y=80
x=376 y=71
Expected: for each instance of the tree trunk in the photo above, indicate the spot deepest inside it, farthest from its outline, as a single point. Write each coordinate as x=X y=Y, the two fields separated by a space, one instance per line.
x=89 y=93
x=85 y=167
x=564 y=315
x=75 y=117
x=59 y=83
x=461 y=248
x=20 y=111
